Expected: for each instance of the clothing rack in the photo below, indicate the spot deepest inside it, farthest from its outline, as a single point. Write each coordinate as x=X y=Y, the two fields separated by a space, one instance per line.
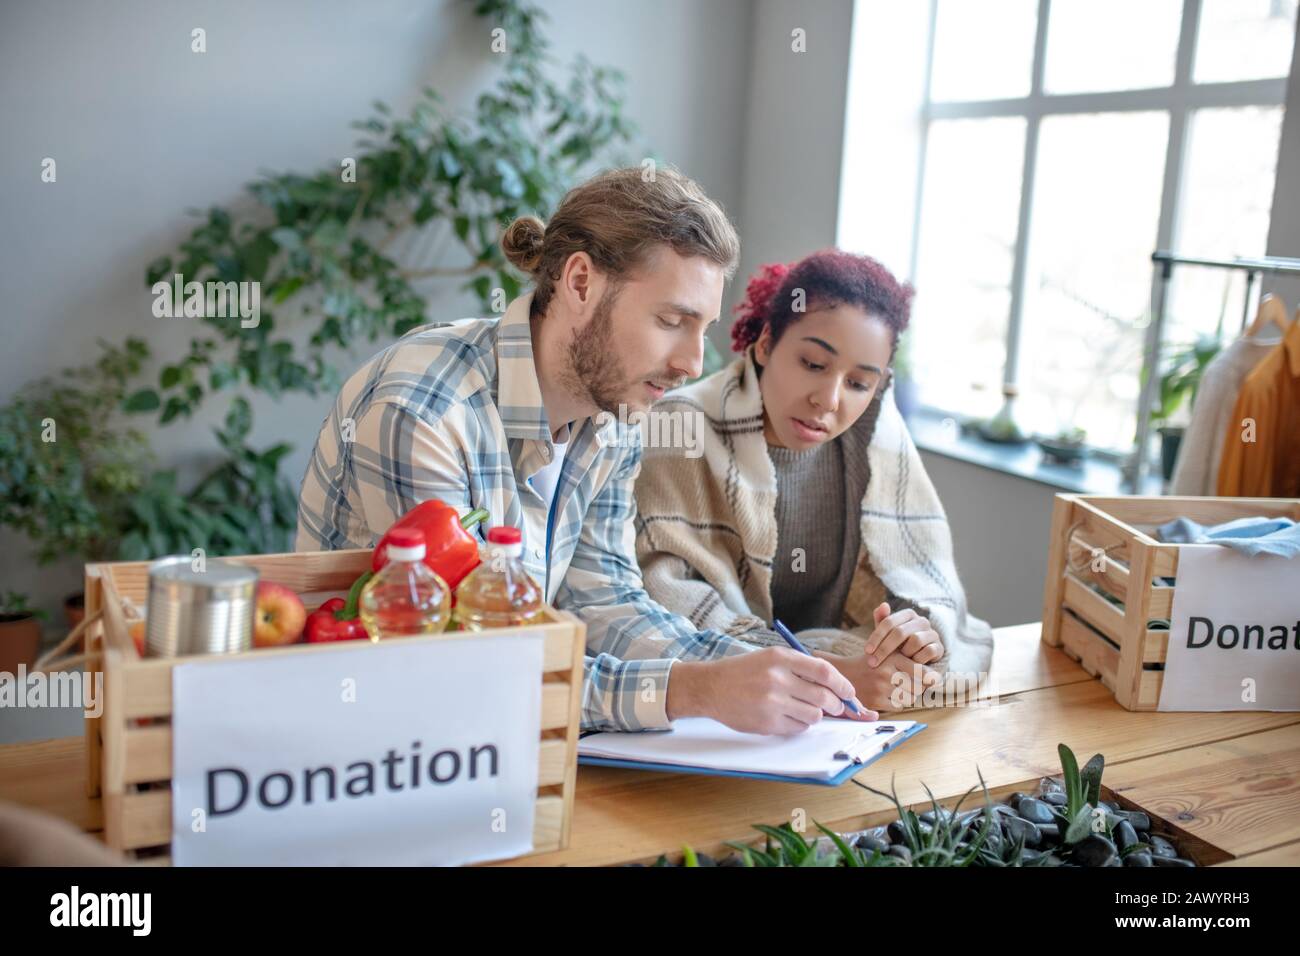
x=1165 y=262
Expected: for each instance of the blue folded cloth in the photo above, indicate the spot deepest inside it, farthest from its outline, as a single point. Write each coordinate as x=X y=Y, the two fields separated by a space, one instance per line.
x=1280 y=536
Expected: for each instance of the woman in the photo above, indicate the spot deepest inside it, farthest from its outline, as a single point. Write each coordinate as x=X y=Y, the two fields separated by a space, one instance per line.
x=809 y=503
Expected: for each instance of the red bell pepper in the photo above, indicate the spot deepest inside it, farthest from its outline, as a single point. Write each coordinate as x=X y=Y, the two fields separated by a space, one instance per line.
x=450 y=550
x=336 y=619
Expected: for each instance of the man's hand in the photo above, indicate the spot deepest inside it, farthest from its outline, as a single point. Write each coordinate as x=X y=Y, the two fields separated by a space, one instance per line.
x=775 y=690
x=904 y=632
x=896 y=682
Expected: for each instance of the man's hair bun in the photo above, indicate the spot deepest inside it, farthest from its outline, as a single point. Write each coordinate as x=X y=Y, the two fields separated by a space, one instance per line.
x=522 y=243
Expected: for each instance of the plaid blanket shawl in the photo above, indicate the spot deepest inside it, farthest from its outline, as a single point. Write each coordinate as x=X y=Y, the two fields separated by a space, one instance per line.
x=707 y=534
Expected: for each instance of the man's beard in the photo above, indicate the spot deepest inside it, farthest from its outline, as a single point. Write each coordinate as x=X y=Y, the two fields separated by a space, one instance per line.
x=594 y=371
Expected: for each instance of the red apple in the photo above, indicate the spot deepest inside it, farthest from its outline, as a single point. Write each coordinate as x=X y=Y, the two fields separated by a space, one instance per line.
x=280 y=616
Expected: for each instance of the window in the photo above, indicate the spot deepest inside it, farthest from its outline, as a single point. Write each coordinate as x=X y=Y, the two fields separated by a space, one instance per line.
x=1061 y=142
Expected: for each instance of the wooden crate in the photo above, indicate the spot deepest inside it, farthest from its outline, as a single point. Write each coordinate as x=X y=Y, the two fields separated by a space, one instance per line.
x=1110 y=584
x=129 y=747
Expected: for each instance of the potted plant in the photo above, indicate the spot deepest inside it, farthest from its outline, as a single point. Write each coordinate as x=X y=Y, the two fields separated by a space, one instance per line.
x=20 y=632
x=1066 y=447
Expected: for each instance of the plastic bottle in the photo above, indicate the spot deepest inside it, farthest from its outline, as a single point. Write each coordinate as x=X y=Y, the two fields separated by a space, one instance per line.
x=406 y=598
x=499 y=592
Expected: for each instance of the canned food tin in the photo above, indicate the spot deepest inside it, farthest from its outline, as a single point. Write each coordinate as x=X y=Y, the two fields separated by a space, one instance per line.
x=203 y=609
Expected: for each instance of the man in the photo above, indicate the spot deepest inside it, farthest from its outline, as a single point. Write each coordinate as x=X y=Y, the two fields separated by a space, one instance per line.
x=506 y=414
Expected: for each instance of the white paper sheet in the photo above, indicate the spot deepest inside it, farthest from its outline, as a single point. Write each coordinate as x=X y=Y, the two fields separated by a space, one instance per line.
x=705 y=743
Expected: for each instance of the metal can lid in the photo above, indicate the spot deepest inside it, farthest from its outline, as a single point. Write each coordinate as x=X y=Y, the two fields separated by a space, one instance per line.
x=212 y=574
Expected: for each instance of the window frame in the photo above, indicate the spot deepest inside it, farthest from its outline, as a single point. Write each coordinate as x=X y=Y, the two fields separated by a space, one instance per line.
x=1178 y=100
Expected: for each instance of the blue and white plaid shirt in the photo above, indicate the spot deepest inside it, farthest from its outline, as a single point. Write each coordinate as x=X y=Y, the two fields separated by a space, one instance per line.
x=455 y=412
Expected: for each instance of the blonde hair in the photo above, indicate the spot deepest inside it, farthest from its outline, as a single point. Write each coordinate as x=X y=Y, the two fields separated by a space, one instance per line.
x=617 y=218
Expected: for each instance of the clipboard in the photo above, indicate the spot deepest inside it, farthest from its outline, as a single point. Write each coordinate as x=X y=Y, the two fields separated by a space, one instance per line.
x=854 y=762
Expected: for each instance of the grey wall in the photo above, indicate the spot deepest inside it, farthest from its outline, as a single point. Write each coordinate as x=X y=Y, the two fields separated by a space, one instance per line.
x=794 y=140
x=1001 y=526
x=142 y=129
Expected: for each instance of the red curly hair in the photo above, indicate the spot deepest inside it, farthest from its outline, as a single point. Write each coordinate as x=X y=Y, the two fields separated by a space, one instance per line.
x=827 y=277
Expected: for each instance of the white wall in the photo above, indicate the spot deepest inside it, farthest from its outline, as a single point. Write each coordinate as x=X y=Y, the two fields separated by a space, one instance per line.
x=1001 y=527
x=1284 y=227
x=142 y=129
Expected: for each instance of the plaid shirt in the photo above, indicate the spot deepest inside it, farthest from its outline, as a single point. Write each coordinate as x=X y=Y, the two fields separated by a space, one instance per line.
x=455 y=412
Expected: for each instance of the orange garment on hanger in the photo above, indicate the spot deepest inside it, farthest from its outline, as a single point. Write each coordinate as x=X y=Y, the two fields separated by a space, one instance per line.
x=1269 y=466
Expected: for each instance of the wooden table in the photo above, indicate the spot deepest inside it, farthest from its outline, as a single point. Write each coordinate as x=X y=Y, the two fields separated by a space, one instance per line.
x=1230 y=780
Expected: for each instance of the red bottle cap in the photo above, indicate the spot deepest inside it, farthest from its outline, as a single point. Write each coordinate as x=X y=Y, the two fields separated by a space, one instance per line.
x=504 y=534
x=406 y=538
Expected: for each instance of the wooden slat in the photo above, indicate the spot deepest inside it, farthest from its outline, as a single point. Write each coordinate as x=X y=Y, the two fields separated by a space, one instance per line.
x=1164 y=561
x=1240 y=794
x=1129 y=681
x=1155 y=647
x=1151 y=510
x=93 y=727
x=304 y=571
x=1148 y=690
x=548 y=824
x=148 y=754
x=1093 y=608
x=1102 y=520
x=1113 y=574
x=1162 y=603
x=1057 y=556
x=1096 y=655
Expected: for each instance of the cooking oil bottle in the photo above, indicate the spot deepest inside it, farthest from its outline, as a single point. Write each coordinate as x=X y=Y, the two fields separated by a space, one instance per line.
x=499 y=592
x=407 y=597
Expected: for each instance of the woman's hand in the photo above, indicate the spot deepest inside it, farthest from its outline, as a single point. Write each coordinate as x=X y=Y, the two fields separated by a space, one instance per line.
x=904 y=632
x=896 y=683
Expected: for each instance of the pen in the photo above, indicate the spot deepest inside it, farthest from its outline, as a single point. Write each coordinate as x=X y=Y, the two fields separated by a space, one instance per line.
x=794 y=642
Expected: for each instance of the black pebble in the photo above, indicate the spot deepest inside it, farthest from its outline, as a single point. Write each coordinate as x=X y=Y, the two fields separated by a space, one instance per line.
x=1094 y=850
x=902 y=852
x=1161 y=847
x=1016 y=829
x=1124 y=834
x=1139 y=820
x=1035 y=811
x=869 y=842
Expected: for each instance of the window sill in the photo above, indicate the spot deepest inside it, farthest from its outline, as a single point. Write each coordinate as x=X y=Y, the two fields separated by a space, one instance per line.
x=1093 y=476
